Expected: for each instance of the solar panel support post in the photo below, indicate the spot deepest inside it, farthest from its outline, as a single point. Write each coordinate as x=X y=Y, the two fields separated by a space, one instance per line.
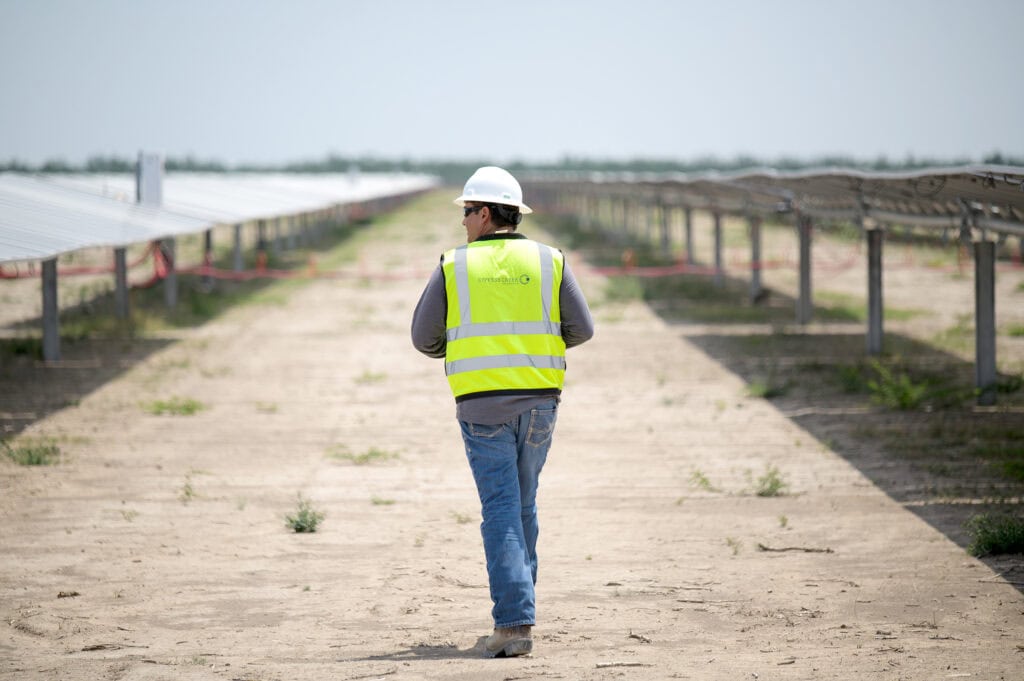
x=291 y=232
x=208 y=257
x=261 y=236
x=666 y=234
x=237 y=263
x=51 y=316
x=719 y=277
x=169 y=248
x=275 y=243
x=121 y=310
x=804 y=306
x=875 y=240
x=985 y=321
x=688 y=226
x=755 y=258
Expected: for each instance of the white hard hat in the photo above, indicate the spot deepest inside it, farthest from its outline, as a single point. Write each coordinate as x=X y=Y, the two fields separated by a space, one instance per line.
x=491 y=184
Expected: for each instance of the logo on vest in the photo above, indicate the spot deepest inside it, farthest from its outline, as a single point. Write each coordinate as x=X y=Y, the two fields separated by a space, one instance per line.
x=521 y=279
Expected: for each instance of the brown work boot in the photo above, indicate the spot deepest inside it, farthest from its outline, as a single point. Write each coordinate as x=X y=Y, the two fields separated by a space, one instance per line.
x=510 y=641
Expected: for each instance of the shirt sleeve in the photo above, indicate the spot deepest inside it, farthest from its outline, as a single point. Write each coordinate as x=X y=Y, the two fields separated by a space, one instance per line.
x=428 y=320
x=577 y=324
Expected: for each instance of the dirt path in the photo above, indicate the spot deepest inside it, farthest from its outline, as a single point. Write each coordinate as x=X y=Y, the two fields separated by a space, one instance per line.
x=169 y=531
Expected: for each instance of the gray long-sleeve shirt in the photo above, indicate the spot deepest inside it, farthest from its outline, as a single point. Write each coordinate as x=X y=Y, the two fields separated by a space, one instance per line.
x=428 y=336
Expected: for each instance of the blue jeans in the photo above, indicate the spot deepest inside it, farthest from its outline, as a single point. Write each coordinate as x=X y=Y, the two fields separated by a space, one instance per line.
x=506 y=461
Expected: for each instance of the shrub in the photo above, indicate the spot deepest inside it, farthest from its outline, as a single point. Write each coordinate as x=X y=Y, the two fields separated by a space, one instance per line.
x=995 y=534
x=771 y=484
x=895 y=391
x=306 y=518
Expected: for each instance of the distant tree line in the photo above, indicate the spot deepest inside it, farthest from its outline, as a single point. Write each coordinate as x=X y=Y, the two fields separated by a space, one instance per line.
x=456 y=171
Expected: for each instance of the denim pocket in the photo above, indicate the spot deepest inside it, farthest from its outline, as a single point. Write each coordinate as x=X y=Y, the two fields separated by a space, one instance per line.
x=484 y=430
x=542 y=426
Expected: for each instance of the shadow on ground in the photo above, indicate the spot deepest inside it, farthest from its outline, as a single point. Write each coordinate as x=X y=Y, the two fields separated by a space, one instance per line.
x=934 y=453
x=907 y=419
x=446 y=651
x=31 y=390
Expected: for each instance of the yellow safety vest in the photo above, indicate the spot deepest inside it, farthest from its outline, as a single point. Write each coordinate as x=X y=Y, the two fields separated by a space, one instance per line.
x=504 y=332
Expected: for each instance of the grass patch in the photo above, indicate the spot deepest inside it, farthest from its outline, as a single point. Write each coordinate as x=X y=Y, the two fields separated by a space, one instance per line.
x=41 y=451
x=843 y=306
x=461 y=518
x=372 y=455
x=379 y=501
x=175 y=406
x=958 y=338
x=1015 y=331
x=995 y=534
x=306 y=518
x=894 y=384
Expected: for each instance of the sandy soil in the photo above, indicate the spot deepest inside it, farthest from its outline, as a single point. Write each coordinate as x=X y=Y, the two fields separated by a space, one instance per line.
x=158 y=548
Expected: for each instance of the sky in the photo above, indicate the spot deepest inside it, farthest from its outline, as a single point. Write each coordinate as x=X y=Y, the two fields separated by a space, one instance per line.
x=273 y=81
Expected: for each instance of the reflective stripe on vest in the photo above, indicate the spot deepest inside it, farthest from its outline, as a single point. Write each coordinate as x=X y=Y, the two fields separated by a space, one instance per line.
x=517 y=345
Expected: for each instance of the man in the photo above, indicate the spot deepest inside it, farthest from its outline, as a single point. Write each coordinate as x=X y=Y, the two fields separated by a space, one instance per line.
x=502 y=310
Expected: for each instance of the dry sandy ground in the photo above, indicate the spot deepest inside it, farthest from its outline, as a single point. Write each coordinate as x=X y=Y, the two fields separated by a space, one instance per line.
x=170 y=533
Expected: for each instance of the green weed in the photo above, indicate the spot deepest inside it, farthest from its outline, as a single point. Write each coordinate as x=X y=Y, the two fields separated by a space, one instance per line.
x=378 y=501
x=700 y=480
x=41 y=451
x=461 y=518
x=369 y=377
x=851 y=378
x=306 y=518
x=175 y=406
x=372 y=455
x=767 y=388
x=771 y=484
x=187 y=492
x=734 y=544
x=995 y=534
x=896 y=391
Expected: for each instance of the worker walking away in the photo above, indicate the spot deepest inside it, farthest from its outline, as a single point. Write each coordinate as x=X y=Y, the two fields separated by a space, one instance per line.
x=501 y=310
